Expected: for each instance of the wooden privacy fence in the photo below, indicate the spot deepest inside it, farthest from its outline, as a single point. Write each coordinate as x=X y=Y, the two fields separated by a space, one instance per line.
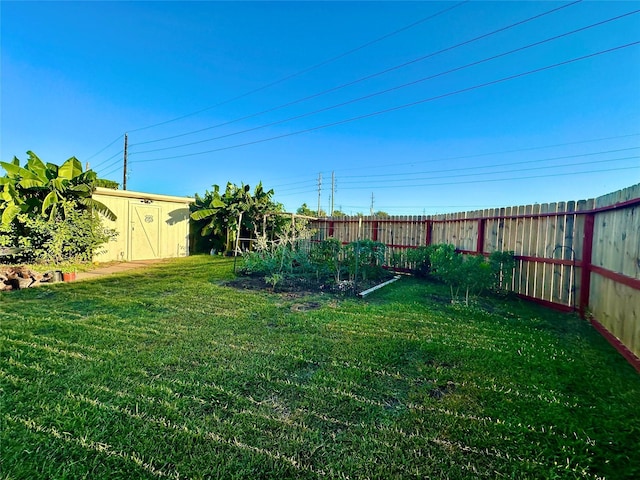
x=582 y=255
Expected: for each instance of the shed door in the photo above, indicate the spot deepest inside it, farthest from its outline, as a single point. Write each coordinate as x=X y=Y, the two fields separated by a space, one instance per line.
x=145 y=232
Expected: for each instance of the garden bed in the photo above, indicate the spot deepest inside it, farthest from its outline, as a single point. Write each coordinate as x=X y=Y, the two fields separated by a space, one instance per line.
x=303 y=286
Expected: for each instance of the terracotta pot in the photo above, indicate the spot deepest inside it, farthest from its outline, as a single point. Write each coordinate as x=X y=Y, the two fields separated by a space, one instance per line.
x=69 y=276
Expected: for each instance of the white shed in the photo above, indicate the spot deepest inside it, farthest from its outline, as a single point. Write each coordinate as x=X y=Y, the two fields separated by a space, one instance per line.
x=149 y=226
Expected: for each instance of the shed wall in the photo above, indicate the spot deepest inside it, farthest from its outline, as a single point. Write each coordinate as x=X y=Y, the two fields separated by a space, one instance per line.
x=147 y=228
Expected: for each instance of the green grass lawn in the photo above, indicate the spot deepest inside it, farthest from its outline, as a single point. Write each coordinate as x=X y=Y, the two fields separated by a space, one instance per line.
x=167 y=373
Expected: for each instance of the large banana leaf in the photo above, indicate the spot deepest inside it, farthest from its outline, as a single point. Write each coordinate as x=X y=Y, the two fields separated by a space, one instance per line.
x=37 y=166
x=97 y=206
x=70 y=169
x=50 y=200
x=82 y=190
x=17 y=171
x=204 y=213
x=59 y=184
x=10 y=212
x=31 y=183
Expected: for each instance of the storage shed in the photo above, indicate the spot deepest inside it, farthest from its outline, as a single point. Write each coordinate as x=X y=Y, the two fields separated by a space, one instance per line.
x=149 y=226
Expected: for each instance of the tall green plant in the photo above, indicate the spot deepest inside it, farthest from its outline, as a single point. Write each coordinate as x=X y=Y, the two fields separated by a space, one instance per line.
x=218 y=216
x=446 y=265
x=39 y=188
x=502 y=266
x=364 y=259
x=326 y=257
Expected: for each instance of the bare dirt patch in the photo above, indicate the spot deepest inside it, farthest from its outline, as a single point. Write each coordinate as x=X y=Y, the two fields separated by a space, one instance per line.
x=305 y=307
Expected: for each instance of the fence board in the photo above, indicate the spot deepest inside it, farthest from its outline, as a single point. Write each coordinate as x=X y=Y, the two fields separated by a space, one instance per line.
x=617 y=308
x=547 y=251
x=631 y=250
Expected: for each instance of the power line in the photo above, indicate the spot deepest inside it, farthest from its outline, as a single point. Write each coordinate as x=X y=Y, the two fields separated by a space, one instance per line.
x=116 y=161
x=117 y=154
x=459 y=157
x=387 y=182
x=403 y=106
x=517 y=150
x=492 y=180
x=306 y=70
x=368 y=77
x=381 y=92
x=112 y=171
x=103 y=149
x=294 y=183
x=289 y=194
x=457 y=169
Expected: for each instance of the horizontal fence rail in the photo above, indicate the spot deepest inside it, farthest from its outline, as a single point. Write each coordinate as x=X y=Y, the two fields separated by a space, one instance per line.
x=577 y=255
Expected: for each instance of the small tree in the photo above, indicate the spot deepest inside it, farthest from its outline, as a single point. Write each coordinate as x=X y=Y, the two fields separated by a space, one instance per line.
x=476 y=276
x=305 y=210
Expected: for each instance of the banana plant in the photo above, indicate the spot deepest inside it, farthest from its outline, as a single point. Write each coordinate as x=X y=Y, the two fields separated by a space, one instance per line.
x=208 y=211
x=223 y=214
x=43 y=188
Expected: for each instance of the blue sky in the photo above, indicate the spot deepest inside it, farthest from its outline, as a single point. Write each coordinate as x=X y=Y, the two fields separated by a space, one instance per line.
x=77 y=75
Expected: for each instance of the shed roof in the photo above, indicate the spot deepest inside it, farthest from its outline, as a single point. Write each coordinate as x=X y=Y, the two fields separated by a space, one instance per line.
x=143 y=196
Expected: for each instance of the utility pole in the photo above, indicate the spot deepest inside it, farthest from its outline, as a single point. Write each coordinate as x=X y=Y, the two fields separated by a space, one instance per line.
x=333 y=192
x=124 y=175
x=319 y=190
x=371 y=204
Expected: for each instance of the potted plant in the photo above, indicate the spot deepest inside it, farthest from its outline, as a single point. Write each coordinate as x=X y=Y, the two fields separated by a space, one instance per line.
x=69 y=274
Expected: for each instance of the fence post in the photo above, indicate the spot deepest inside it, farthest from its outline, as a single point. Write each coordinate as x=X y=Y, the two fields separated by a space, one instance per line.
x=374 y=230
x=585 y=274
x=480 y=241
x=427 y=232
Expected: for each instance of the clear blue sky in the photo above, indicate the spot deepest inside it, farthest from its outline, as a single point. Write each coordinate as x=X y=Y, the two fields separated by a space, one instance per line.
x=77 y=75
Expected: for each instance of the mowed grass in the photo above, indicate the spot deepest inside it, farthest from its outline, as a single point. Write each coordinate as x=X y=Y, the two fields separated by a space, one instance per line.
x=167 y=373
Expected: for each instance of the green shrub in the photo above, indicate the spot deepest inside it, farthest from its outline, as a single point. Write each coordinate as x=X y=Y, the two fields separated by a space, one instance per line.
x=419 y=260
x=73 y=237
x=471 y=274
